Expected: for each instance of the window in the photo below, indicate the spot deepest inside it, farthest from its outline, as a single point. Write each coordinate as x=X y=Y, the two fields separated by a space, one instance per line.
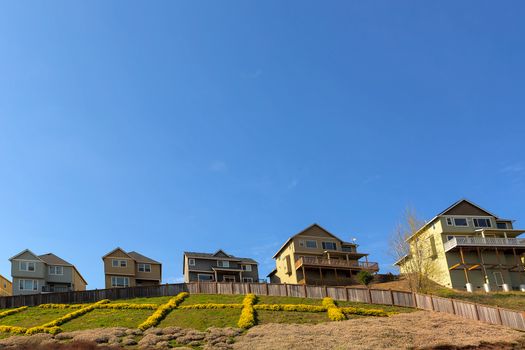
x=247 y=279
x=204 y=277
x=191 y=262
x=482 y=223
x=119 y=281
x=449 y=221
x=144 y=268
x=329 y=246
x=247 y=267
x=228 y=278
x=56 y=270
x=498 y=277
x=311 y=244
x=28 y=285
x=288 y=264
x=27 y=266
x=223 y=263
x=502 y=225
x=119 y=263
x=460 y=222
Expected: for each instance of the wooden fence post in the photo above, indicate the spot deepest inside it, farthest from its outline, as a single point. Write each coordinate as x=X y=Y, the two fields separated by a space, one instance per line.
x=305 y=291
x=286 y=289
x=267 y=292
x=369 y=296
x=453 y=306
x=392 y=296
x=415 y=299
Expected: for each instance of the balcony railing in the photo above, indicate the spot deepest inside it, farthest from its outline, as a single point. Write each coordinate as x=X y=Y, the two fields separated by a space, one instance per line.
x=473 y=241
x=56 y=289
x=315 y=261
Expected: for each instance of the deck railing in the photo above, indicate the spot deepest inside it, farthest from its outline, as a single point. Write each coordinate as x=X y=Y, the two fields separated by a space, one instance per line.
x=475 y=241
x=313 y=260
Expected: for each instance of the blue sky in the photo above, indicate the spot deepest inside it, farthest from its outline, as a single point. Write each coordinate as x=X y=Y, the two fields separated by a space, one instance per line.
x=170 y=126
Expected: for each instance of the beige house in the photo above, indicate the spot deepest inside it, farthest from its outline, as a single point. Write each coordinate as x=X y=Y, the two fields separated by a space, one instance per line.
x=316 y=256
x=470 y=248
x=6 y=287
x=130 y=269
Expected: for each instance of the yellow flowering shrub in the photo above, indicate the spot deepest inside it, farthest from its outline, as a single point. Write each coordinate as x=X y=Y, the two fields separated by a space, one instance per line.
x=72 y=315
x=13 y=329
x=364 y=312
x=212 y=306
x=122 y=306
x=247 y=318
x=334 y=313
x=12 y=311
x=62 y=306
x=290 y=307
x=41 y=329
x=163 y=311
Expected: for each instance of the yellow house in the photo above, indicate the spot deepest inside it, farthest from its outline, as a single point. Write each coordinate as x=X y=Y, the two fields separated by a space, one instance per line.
x=316 y=256
x=6 y=287
x=470 y=248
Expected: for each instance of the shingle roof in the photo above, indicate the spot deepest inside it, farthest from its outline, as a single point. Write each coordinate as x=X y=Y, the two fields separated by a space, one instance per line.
x=141 y=258
x=212 y=256
x=52 y=259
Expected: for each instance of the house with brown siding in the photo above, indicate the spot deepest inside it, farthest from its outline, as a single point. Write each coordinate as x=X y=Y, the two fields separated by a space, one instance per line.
x=218 y=267
x=6 y=287
x=316 y=256
x=130 y=269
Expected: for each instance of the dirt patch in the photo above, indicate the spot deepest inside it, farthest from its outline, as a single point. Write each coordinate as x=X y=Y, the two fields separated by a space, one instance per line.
x=417 y=330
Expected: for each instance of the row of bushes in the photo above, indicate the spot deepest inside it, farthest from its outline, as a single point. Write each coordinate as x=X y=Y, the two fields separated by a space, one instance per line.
x=13 y=329
x=334 y=313
x=290 y=307
x=61 y=306
x=364 y=312
x=212 y=306
x=123 y=306
x=163 y=311
x=247 y=318
x=12 y=311
x=72 y=315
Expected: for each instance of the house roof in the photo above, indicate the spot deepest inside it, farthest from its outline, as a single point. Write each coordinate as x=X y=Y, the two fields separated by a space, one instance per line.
x=114 y=250
x=274 y=271
x=215 y=255
x=306 y=229
x=24 y=251
x=6 y=278
x=141 y=258
x=52 y=259
x=446 y=211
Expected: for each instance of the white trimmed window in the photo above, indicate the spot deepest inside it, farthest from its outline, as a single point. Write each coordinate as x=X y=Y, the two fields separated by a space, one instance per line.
x=460 y=222
x=329 y=246
x=482 y=222
x=502 y=225
x=117 y=281
x=119 y=263
x=247 y=267
x=56 y=270
x=204 y=277
x=449 y=222
x=144 y=267
x=311 y=244
x=247 y=279
x=191 y=262
x=223 y=263
x=28 y=284
x=27 y=266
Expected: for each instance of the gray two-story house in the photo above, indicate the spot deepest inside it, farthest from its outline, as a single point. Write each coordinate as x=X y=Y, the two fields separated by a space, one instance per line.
x=218 y=267
x=34 y=274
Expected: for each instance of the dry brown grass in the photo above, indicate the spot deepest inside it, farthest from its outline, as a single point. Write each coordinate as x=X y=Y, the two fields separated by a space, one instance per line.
x=417 y=330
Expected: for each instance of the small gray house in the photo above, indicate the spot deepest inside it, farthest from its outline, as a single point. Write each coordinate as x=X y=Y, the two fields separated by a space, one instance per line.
x=218 y=267
x=34 y=274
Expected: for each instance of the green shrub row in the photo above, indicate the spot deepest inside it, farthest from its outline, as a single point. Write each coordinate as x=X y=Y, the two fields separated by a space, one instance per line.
x=163 y=311
x=364 y=312
x=212 y=306
x=12 y=311
x=334 y=313
x=247 y=318
x=124 y=306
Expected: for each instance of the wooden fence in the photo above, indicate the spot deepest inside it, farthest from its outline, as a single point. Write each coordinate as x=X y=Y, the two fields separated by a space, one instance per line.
x=465 y=309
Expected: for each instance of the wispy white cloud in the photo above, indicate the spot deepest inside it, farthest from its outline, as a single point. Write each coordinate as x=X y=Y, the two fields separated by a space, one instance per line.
x=293 y=184
x=253 y=75
x=175 y=279
x=372 y=178
x=513 y=168
x=218 y=166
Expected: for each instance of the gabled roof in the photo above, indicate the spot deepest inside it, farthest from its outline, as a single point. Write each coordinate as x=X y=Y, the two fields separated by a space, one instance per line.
x=114 y=250
x=141 y=258
x=214 y=255
x=447 y=211
x=52 y=259
x=6 y=278
x=306 y=229
x=24 y=251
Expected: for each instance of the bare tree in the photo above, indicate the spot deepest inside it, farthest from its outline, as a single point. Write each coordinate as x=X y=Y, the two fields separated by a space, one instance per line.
x=414 y=256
